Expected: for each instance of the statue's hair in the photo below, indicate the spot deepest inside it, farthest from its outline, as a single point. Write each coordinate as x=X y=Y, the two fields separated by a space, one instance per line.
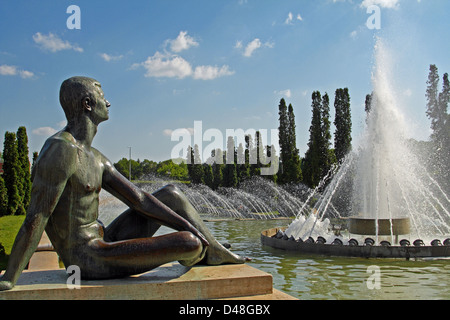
x=72 y=93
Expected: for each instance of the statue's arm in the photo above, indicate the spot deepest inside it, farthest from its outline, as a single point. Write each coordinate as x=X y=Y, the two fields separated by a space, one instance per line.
x=119 y=186
x=49 y=182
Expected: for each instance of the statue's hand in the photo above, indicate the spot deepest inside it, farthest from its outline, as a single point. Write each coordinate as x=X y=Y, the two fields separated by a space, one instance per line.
x=5 y=285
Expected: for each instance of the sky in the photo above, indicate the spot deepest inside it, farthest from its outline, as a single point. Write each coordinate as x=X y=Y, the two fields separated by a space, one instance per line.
x=165 y=64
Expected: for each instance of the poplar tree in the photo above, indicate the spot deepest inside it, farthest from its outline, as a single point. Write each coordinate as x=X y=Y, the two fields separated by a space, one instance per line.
x=24 y=169
x=289 y=154
x=217 y=168
x=343 y=124
x=437 y=112
x=311 y=168
x=208 y=175
x=11 y=172
x=283 y=136
x=294 y=171
x=325 y=154
x=230 y=172
x=196 y=172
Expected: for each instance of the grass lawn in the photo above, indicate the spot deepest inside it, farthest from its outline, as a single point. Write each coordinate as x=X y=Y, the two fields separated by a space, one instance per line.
x=9 y=226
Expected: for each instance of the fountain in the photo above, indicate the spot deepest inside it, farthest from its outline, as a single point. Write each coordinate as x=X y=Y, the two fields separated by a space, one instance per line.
x=256 y=198
x=392 y=195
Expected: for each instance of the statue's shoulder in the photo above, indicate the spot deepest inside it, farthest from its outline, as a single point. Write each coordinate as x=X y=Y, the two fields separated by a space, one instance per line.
x=58 y=148
x=102 y=158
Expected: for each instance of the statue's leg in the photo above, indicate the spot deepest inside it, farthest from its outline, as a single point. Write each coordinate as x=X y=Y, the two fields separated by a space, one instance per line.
x=103 y=260
x=216 y=254
x=130 y=225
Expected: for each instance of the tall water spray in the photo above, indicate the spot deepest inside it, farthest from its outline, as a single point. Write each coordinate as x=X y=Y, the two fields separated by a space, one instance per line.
x=388 y=181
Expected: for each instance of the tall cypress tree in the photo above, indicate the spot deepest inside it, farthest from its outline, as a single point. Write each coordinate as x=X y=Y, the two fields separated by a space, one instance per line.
x=294 y=172
x=343 y=124
x=218 y=169
x=311 y=168
x=24 y=169
x=283 y=135
x=433 y=110
x=437 y=111
x=11 y=172
x=230 y=173
x=196 y=172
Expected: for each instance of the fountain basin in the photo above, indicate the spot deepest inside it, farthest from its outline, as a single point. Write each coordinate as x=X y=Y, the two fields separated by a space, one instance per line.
x=380 y=227
x=376 y=251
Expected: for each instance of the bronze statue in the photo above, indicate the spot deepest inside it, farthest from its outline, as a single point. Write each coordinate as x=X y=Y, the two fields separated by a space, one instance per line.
x=67 y=179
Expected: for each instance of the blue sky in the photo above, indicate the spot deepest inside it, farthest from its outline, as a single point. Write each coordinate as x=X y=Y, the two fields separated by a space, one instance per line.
x=164 y=64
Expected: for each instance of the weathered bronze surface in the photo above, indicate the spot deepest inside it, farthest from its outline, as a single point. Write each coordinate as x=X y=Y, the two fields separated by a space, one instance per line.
x=67 y=179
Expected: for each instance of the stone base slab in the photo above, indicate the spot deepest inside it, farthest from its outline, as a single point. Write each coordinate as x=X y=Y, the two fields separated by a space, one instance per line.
x=168 y=282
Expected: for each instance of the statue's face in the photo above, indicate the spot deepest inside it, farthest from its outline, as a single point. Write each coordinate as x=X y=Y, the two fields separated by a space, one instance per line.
x=100 y=110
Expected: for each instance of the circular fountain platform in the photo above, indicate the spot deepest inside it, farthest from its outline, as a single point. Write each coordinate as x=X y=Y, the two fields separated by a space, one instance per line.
x=381 y=227
x=272 y=239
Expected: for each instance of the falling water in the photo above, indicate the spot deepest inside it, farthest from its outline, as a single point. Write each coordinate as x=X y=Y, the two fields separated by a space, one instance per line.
x=386 y=178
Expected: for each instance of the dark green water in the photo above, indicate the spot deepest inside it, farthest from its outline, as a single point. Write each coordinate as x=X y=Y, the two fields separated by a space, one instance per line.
x=318 y=278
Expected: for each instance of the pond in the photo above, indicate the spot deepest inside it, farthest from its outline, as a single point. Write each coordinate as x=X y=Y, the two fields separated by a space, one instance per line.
x=331 y=278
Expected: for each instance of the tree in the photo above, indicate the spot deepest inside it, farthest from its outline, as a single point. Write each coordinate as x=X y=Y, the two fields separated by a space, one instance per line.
x=289 y=154
x=196 y=172
x=217 y=168
x=343 y=124
x=24 y=170
x=208 y=175
x=283 y=136
x=293 y=170
x=3 y=198
x=326 y=157
x=437 y=112
x=437 y=105
x=311 y=167
x=230 y=179
x=11 y=172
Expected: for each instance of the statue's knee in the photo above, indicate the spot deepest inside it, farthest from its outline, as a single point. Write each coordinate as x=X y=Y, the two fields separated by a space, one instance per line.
x=169 y=195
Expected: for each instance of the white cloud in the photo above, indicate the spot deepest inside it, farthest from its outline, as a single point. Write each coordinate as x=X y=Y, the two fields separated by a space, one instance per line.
x=290 y=18
x=390 y=4
x=210 y=72
x=286 y=93
x=173 y=66
x=182 y=42
x=8 y=70
x=53 y=43
x=108 y=57
x=252 y=46
x=44 y=131
x=166 y=65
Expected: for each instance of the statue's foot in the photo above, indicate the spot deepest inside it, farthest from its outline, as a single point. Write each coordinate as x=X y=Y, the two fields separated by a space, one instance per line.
x=218 y=254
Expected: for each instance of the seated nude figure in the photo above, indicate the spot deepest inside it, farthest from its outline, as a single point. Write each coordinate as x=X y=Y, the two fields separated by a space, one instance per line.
x=67 y=179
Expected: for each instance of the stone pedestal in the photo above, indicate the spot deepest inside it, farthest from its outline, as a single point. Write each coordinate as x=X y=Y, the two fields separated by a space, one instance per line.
x=168 y=282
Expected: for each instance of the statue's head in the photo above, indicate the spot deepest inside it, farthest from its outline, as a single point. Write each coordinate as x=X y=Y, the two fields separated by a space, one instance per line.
x=81 y=95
